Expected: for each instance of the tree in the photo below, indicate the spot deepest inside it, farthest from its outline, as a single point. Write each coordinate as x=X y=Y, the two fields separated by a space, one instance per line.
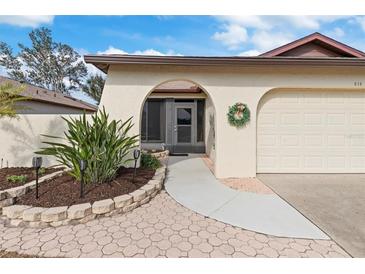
x=9 y=96
x=51 y=65
x=94 y=86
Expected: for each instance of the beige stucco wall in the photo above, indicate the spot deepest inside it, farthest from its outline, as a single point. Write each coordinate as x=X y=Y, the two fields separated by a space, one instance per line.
x=210 y=128
x=235 y=149
x=21 y=137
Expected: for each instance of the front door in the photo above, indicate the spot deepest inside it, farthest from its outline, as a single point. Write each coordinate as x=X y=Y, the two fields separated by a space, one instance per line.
x=184 y=127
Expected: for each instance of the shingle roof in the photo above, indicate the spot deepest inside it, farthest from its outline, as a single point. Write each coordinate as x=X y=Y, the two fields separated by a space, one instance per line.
x=47 y=96
x=348 y=57
x=324 y=41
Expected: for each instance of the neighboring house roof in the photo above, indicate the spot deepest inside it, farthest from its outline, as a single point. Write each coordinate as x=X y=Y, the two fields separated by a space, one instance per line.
x=43 y=95
x=313 y=50
x=177 y=86
x=315 y=45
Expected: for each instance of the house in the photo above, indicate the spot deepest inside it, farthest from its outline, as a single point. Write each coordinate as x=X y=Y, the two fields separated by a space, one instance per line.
x=43 y=101
x=306 y=102
x=39 y=114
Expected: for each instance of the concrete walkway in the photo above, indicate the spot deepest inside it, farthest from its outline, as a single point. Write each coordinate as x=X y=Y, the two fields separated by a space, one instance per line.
x=190 y=182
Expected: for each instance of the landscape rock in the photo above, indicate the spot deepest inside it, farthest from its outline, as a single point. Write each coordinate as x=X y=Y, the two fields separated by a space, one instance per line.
x=16 y=191
x=78 y=211
x=149 y=188
x=160 y=170
x=33 y=214
x=103 y=206
x=160 y=177
x=87 y=218
x=123 y=200
x=14 y=211
x=60 y=223
x=17 y=223
x=138 y=195
x=54 y=214
x=3 y=195
x=130 y=207
x=145 y=200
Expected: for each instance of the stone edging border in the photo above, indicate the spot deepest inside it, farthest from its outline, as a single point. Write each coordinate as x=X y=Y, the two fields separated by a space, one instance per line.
x=8 y=196
x=159 y=155
x=39 y=217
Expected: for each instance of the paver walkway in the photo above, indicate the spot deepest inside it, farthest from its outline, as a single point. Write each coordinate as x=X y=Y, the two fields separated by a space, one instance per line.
x=190 y=182
x=161 y=228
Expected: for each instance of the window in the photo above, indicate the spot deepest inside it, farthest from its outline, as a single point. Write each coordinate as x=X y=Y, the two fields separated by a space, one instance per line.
x=153 y=121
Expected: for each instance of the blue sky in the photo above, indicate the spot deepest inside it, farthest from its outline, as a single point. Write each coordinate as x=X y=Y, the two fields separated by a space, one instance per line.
x=181 y=35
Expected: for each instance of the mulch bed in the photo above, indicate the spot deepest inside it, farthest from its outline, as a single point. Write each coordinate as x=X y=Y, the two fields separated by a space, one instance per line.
x=8 y=171
x=65 y=191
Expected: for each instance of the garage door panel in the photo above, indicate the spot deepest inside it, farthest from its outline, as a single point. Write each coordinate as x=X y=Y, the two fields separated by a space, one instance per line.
x=313 y=162
x=313 y=119
x=357 y=162
x=313 y=140
x=312 y=132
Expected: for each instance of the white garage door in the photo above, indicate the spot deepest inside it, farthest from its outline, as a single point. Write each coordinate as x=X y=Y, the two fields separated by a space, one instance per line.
x=311 y=131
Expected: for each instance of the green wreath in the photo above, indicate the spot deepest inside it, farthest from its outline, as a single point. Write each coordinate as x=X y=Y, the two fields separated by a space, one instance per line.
x=238 y=115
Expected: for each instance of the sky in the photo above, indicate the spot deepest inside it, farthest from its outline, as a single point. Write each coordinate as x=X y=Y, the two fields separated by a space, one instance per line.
x=181 y=35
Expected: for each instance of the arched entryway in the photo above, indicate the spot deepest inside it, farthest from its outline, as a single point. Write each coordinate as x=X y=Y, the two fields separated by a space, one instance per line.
x=178 y=115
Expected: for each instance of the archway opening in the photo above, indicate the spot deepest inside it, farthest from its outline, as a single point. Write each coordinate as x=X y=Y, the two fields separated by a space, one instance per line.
x=178 y=115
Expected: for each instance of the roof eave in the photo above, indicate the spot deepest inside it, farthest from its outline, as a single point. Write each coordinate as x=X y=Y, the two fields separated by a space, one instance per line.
x=86 y=108
x=105 y=61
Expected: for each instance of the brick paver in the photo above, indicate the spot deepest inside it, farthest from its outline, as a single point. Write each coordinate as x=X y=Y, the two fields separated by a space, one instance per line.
x=160 y=228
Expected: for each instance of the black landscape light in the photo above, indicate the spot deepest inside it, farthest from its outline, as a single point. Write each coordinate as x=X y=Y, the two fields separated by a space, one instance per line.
x=36 y=163
x=136 y=154
x=83 y=166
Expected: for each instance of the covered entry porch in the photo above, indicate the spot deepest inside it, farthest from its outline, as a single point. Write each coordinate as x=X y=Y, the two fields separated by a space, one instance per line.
x=178 y=116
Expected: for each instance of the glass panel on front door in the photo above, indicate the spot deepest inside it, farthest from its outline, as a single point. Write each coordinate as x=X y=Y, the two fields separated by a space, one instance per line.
x=184 y=116
x=183 y=123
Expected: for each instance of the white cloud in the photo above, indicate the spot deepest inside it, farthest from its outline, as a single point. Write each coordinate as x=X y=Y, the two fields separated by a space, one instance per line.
x=148 y=52
x=251 y=52
x=361 y=21
x=247 y=21
x=113 y=50
x=26 y=21
x=264 y=40
x=233 y=36
x=336 y=33
x=262 y=33
x=264 y=22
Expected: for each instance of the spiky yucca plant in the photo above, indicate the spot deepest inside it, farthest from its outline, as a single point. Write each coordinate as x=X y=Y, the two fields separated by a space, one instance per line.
x=105 y=145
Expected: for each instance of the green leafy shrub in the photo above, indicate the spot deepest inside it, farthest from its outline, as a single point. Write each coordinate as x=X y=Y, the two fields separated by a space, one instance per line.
x=17 y=178
x=149 y=161
x=105 y=145
x=41 y=171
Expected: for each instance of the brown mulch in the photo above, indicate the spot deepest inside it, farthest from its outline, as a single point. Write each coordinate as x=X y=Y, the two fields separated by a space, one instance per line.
x=8 y=171
x=6 y=254
x=65 y=191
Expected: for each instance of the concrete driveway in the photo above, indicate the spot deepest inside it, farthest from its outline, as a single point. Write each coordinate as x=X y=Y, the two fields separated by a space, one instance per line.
x=334 y=202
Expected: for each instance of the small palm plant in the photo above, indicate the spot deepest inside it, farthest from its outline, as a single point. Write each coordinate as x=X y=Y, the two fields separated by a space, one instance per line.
x=105 y=145
x=9 y=96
